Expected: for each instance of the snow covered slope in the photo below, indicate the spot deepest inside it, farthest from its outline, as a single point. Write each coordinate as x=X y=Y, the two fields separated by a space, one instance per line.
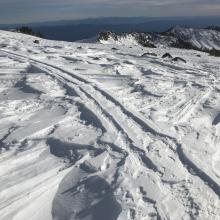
x=91 y=131
x=204 y=39
x=180 y=37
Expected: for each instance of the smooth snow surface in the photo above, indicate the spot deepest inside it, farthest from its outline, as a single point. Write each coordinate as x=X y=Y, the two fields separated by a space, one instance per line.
x=100 y=132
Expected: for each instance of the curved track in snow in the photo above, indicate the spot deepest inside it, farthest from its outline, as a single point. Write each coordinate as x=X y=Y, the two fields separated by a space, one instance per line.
x=149 y=174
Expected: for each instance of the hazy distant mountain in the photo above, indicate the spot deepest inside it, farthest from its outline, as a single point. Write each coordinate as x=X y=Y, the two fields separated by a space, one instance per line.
x=86 y=28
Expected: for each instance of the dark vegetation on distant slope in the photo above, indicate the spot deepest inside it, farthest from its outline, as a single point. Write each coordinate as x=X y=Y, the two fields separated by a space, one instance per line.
x=214 y=52
x=142 y=40
x=214 y=28
x=182 y=43
x=29 y=31
x=148 y=39
x=105 y=35
x=140 y=37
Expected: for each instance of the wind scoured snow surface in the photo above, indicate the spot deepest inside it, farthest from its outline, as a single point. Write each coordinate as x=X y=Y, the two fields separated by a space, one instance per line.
x=89 y=132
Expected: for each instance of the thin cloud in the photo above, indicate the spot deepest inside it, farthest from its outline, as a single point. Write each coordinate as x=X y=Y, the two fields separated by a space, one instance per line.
x=12 y=11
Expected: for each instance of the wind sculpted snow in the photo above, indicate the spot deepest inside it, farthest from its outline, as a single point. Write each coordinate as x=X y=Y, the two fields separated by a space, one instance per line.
x=92 y=132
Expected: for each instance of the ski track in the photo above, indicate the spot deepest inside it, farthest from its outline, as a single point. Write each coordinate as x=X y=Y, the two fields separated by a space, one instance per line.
x=132 y=132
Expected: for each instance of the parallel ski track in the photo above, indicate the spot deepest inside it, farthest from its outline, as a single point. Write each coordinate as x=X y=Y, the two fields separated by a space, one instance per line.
x=79 y=82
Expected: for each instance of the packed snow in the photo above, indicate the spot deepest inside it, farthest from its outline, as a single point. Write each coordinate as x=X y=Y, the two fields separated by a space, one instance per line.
x=96 y=131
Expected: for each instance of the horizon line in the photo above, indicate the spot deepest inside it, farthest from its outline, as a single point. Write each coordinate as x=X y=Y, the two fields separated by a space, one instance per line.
x=113 y=17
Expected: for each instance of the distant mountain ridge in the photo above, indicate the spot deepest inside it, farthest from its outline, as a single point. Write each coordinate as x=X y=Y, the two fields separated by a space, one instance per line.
x=181 y=37
x=87 y=28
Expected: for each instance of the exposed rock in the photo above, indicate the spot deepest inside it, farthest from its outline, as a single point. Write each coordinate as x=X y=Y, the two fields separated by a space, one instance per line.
x=176 y=59
x=106 y=35
x=149 y=54
x=96 y=58
x=143 y=40
x=36 y=41
x=3 y=45
x=167 y=55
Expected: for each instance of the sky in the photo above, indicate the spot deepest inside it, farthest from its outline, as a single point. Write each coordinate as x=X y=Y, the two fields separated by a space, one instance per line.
x=27 y=11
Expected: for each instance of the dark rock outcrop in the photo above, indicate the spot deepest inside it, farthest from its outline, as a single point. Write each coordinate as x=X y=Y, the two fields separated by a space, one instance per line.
x=149 y=54
x=176 y=59
x=167 y=55
x=36 y=41
x=106 y=35
x=143 y=40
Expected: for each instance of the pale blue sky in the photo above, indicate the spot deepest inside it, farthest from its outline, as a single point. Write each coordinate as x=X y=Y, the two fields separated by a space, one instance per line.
x=25 y=11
